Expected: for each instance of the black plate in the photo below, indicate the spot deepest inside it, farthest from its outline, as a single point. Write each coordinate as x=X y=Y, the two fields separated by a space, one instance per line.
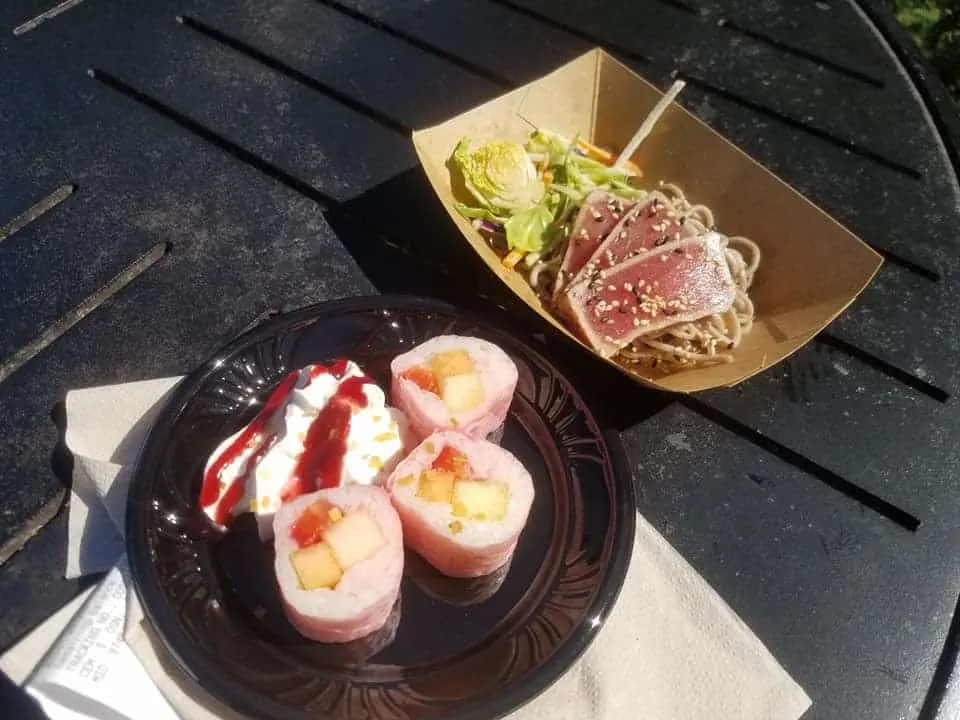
x=468 y=649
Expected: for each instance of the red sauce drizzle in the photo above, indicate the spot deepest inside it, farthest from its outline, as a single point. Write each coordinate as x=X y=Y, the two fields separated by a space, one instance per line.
x=211 y=479
x=321 y=463
x=338 y=369
x=230 y=498
x=320 y=466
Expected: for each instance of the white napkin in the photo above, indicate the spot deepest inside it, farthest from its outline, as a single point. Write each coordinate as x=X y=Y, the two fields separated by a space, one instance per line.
x=671 y=649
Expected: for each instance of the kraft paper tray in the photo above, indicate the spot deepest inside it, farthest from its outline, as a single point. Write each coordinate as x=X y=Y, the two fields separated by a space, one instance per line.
x=812 y=266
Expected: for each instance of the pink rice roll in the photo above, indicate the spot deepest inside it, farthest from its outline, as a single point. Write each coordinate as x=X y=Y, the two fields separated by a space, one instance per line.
x=359 y=651
x=457 y=544
x=475 y=407
x=361 y=601
x=459 y=592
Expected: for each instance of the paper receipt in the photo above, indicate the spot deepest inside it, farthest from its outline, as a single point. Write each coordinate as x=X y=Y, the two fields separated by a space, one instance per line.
x=90 y=672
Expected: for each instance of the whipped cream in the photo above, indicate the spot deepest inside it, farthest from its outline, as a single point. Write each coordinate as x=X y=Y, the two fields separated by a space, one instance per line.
x=376 y=441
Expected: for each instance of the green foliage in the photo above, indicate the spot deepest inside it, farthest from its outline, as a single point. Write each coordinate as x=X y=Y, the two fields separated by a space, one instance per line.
x=935 y=26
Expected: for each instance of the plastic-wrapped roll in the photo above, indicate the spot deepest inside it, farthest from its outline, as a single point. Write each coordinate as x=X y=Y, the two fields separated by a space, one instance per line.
x=463 y=503
x=339 y=562
x=456 y=383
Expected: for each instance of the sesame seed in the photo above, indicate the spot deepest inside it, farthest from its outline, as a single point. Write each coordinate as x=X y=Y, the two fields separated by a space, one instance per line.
x=628 y=287
x=644 y=322
x=611 y=287
x=636 y=322
x=688 y=256
x=664 y=257
x=608 y=338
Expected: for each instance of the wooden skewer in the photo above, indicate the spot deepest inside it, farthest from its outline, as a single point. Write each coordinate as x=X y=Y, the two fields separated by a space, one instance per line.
x=646 y=127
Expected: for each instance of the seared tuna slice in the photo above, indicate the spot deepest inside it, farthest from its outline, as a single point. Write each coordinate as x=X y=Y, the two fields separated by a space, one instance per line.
x=650 y=224
x=599 y=213
x=679 y=282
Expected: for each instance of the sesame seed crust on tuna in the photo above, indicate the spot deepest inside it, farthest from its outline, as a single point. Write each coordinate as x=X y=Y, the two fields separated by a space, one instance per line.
x=630 y=304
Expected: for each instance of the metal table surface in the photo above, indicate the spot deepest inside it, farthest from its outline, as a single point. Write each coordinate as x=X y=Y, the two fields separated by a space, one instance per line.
x=173 y=171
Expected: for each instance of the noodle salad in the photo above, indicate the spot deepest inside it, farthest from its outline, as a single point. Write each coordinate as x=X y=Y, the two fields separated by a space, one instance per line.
x=582 y=231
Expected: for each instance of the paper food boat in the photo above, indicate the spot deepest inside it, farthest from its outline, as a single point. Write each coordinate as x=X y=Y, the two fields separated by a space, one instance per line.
x=812 y=267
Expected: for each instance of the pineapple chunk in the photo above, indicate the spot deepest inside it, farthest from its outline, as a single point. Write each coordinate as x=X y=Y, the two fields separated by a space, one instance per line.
x=448 y=364
x=480 y=499
x=461 y=393
x=436 y=485
x=353 y=539
x=316 y=567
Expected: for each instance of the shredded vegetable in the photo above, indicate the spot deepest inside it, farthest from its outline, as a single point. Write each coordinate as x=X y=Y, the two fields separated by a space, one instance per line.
x=531 y=192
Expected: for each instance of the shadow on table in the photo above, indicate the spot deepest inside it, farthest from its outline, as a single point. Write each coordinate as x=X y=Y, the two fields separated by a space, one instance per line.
x=404 y=241
x=15 y=703
x=61 y=460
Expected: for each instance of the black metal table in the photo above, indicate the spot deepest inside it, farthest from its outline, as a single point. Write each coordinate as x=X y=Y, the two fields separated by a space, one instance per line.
x=171 y=172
